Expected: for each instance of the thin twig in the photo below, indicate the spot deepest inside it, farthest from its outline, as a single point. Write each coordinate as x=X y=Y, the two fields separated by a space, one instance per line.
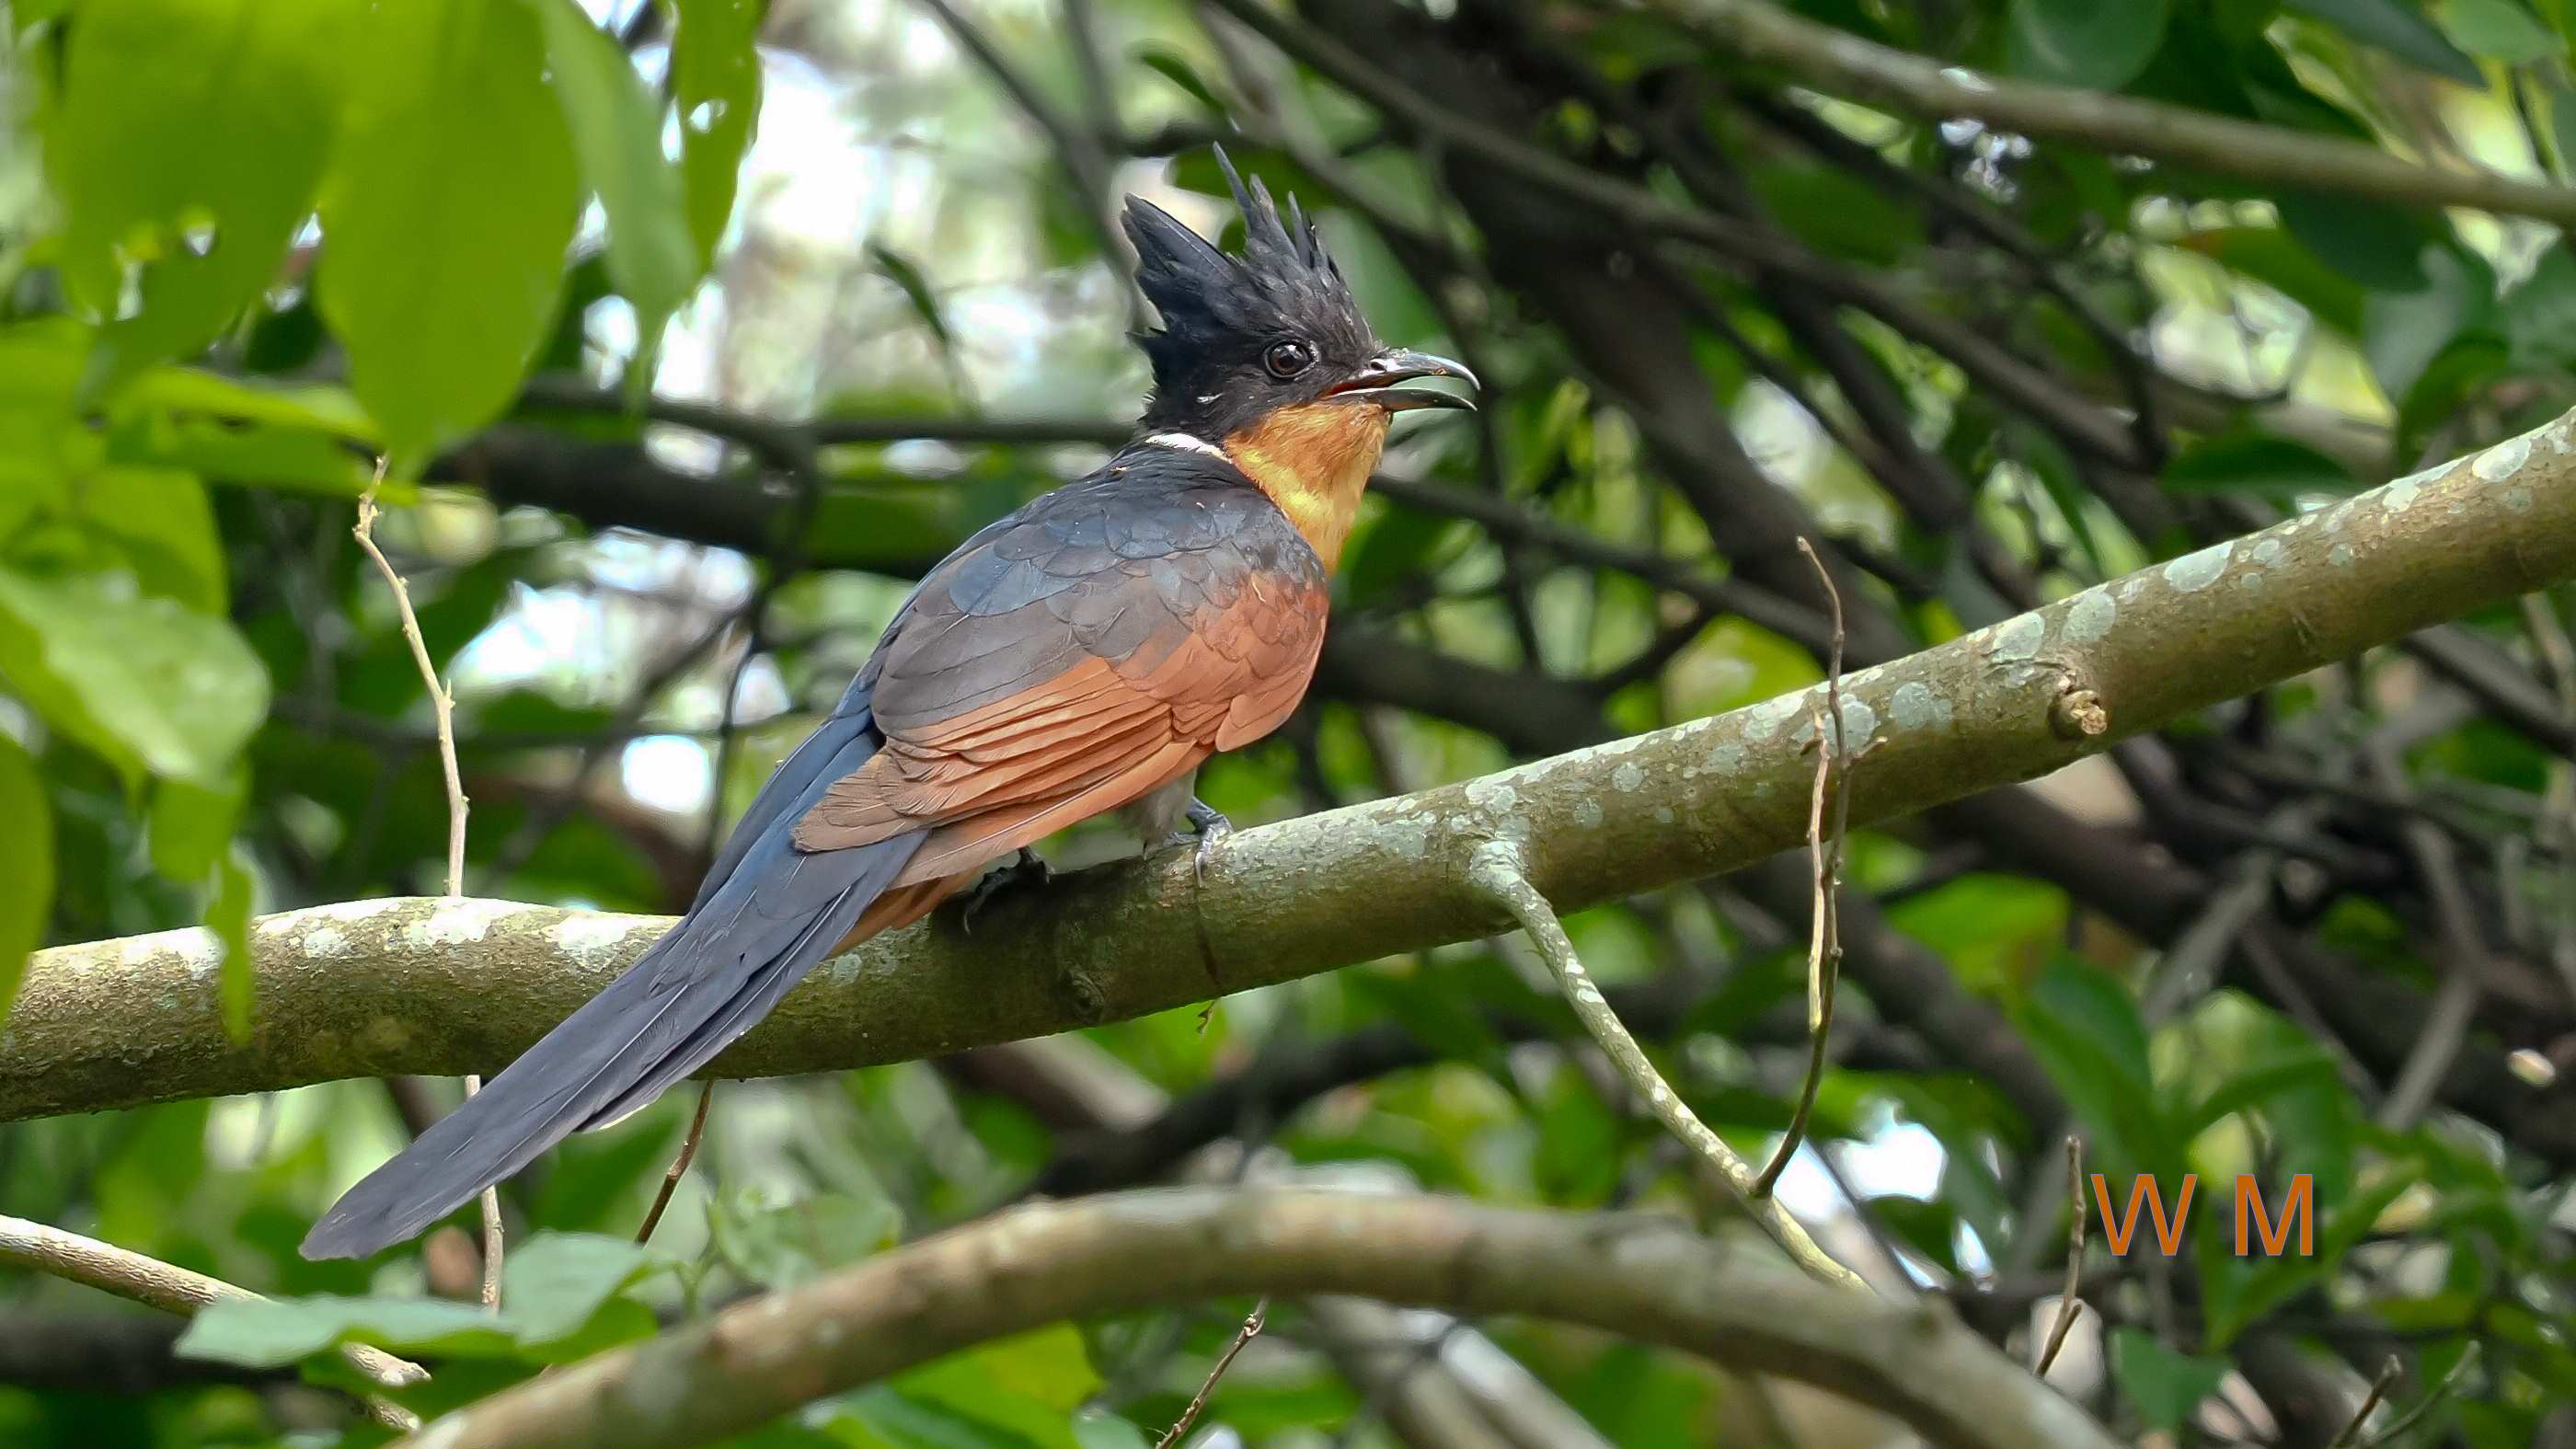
x=2463 y=949
x=2380 y=1384
x=442 y=705
x=1828 y=814
x=2441 y=1391
x=1252 y=1325
x=679 y=1164
x=2070 y=1303
x=149 y=1281
x=1496 y=873
x=2558 y=817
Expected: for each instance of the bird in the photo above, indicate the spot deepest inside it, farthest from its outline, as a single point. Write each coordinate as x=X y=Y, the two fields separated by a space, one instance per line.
x=1082 y=655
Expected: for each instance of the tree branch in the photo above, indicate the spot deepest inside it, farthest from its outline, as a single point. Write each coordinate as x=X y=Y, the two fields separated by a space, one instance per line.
x=1845 y=64
x=378 y=987
x=1644 y=1278
x=172 y=1289
x=1496 y=872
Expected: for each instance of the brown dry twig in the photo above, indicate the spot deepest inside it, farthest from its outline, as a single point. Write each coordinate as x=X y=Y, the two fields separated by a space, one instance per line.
x=2412 y=1417
x=2070 y=1303
x=1828 y=818
x=1252 y=1326
x=679 y=1164
x=2380 y=1384
x=442 y=705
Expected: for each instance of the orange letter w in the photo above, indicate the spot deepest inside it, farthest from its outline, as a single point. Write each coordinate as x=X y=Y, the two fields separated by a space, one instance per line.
x=2120 y=1227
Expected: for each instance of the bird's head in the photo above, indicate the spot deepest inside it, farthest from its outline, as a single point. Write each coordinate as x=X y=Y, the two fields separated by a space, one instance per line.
x=1266 y=357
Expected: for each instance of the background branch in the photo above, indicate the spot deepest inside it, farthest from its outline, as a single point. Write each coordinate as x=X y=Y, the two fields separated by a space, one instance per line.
x=1842 y=63
x=172 y=1289
x=1643 y=1278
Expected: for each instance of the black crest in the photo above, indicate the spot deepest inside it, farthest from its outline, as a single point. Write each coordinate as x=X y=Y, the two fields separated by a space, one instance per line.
x=1221 y=313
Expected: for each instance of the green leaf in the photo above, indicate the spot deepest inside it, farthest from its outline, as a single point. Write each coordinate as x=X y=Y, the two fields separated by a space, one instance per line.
x=2404 y=330
x=191 y=135
x=40 y=444
x=2465 y=368
x=616 y=129
x=1431 y=1009
x=925 y=305
x=228 y=916
x=1019 y=1393
x=1835 y=211
x=2377 y=244
x=1048 y=1367
x=1579 y=1157
x=2562 y=125
x=1993 y=928
x=884 y=1417
x=192 y=823
x=26 y=865
x=2084 y=1028
x=161 y=522
x=2088 y=1000
x=316 y=408
x=449 y=204
x=2271 y=256
x=2085 y=42
x=2500 y=30
x=1929 y=1227
x=1397 y=545
x=557 y=1282
x=2163 y=1385
x=2257 y=464
x=2238 y=1291
x=289 y=460
x=278 y=1332
x=142 y=682
x=1100 y=1429
x=561 y=1288
x=2398 y=28
x=2275 y=1073
x=715 y=80
x=2539 y=316
x=783 y=1246
x=1169 y=64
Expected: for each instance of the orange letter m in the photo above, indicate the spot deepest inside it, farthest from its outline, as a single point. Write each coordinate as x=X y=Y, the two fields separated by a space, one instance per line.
x=2300 y=1204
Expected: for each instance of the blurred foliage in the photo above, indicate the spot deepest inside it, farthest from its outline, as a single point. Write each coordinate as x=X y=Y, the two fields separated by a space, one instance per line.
x=565 y=269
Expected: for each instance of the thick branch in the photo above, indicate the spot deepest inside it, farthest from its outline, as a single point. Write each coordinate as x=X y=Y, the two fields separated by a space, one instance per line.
x=1845 y=64
x=374 y=988
x=1643 y=1278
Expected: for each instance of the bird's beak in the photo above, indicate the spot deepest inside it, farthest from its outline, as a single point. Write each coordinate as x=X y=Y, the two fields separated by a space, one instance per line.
x=1376 y=382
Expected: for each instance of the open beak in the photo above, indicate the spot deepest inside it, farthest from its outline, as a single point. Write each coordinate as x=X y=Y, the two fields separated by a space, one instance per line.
x=1377 y=382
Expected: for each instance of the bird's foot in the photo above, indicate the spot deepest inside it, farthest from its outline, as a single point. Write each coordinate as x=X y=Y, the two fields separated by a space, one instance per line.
x=1209 y=826
x=1028 y=871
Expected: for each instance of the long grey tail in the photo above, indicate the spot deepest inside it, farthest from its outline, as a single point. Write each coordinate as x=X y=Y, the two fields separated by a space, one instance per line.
x=766 y=915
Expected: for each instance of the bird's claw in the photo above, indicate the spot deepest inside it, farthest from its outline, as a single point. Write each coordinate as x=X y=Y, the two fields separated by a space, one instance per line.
x=1030 y=870
x=1208 y=825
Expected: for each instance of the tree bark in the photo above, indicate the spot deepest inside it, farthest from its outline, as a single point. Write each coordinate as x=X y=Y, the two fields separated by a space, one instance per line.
x=1644 y=1278
x=382 y=987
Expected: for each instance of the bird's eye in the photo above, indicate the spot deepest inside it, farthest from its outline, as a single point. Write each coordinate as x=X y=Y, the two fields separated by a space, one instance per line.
x=1287 y=359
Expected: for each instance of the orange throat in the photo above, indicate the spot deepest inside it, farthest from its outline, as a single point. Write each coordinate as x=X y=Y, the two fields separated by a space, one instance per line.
x=1314 y=460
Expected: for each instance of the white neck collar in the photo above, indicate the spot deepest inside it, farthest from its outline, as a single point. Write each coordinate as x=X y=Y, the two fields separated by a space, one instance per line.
x=1184 y=442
